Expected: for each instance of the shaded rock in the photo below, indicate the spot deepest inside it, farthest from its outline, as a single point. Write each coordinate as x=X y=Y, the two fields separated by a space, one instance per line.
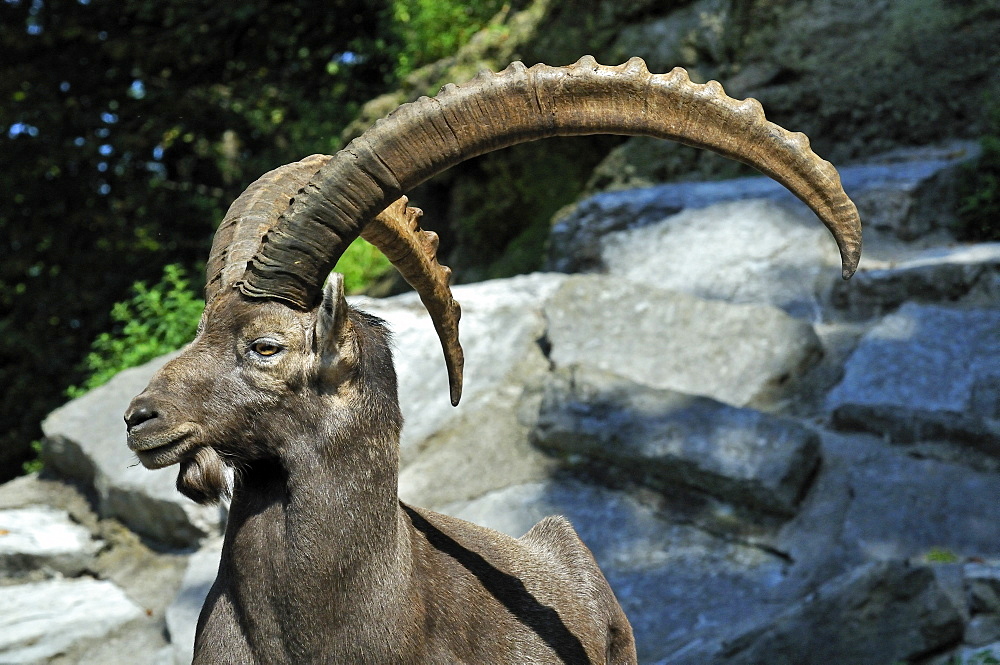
x=983 y=586
x=918 y=366
x=937 y=275
x=880 y=613
x=738 y=354
x=182 y=614
x=652 y=564
x=903 y=425
x=904 y=507
x=42 y=619
x=85 y=441
x=754 y=251
x=982 y=630
x=43 y=538
x=665 y=439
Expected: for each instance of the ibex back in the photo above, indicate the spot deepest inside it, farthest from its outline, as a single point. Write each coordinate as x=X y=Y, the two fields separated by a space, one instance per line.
x=296 y=392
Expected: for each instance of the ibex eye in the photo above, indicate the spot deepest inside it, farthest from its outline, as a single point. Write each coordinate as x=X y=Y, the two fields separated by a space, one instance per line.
x=263 y=347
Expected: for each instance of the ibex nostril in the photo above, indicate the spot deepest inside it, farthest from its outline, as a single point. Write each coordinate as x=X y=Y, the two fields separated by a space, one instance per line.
x=139 y=415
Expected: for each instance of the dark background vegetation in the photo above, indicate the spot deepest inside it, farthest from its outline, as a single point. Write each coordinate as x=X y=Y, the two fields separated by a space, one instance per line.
x=127 y=128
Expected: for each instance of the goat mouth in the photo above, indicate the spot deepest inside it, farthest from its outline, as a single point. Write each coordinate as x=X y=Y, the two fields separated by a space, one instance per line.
x=157 y=452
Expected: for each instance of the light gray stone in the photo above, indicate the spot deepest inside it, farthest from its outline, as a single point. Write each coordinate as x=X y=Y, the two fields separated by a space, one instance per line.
x=755 y=251
x=40 y=620
x=906 y=195
x=738 y=354
x=43 y=538
x=182 y=614
x=85 y=440
x=665 y=440
x=877 y=614
x=485 y=450
x=501 y=323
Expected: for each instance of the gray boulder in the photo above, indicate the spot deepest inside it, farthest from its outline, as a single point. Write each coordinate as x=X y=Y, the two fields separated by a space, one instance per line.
x=501 y=323
x=85 y=441
x=757 y=251
x=41 y=538
x=925 y=371
x=906 y=194
x=738 y=354
x=935 y=275
x=668 y=440
x=182 y=613
x=42 y=619
x=877 y=614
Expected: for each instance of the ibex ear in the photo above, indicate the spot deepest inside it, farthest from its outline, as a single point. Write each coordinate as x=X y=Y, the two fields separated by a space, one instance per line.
x=332 y=324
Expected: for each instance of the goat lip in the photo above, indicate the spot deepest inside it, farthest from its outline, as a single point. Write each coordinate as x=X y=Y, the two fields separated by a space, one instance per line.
x=156 y=452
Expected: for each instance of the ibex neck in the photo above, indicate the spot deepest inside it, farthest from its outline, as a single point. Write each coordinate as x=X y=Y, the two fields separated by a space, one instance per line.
x=314 y=547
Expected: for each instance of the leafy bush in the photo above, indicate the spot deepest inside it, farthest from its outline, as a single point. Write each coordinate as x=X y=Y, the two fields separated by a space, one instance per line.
x=433 y=29
x=979 y=188
x=156 y=320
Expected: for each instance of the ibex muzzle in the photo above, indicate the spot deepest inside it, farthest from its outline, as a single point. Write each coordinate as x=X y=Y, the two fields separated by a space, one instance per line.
x=295 y=391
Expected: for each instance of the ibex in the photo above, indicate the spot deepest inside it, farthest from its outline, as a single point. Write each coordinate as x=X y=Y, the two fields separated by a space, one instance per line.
x=296 y=392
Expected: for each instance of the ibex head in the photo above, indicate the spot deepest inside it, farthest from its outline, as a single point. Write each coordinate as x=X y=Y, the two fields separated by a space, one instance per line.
x=278 y=357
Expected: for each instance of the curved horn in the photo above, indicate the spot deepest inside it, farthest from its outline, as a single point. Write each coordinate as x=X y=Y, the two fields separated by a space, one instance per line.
x=249 y=218
x=395 y=232
x=493 y=111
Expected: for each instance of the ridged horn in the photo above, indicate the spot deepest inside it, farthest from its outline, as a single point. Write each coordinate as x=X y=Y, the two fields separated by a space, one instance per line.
x=395 y=232
x=248 y=219
x=520 y=104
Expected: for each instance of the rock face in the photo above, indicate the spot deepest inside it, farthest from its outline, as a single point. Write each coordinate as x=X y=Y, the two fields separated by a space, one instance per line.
x=670 y=440
x=770 y=467
x=41 y=619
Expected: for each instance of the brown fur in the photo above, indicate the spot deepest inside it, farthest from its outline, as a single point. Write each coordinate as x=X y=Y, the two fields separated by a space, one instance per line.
x=321 y=562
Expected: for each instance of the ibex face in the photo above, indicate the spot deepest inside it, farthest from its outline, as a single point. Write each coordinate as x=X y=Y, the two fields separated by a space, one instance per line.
x=249 y=383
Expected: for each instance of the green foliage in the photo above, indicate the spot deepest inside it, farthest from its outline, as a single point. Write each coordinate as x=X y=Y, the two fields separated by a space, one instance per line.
x=156 y=320
x=35 y=464
x=940 y=555
x=433 y=29
x=979 y=187
x=361 y=265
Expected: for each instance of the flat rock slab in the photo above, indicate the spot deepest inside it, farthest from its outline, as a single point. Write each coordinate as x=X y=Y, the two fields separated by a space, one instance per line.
x=738 y=354
x=668 y=440
x=43 y=538
x=935 y=275
x=907 y=198
x=85 y=440
x=923 y=359
x=755 y=251
x=40 y=620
